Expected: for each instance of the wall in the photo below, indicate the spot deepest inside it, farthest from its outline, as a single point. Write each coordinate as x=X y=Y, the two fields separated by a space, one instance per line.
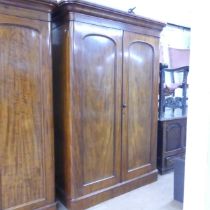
x=197 y=178
x=174 y=37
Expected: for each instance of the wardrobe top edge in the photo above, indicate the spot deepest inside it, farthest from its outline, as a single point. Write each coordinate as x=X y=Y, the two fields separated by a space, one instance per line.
x=39 y=5
x=84 y=7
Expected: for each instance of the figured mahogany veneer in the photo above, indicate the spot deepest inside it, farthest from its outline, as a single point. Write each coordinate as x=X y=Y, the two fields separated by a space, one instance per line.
x=26 y=119
x=105 y=102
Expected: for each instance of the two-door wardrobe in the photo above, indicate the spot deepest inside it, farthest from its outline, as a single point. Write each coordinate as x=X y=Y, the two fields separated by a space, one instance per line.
x=106 y=68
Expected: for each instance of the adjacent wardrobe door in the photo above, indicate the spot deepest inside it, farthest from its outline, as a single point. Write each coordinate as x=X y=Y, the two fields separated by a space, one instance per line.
x=26 y=131
x=96 y=107
x=139 y=104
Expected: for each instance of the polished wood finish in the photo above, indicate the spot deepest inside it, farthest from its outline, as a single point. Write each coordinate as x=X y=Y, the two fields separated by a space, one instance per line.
x=98 y=66
x=82 y=11
x=140 y=95
x=33 y=9
x=171 y=142
x=110 y=192
x=95 y=102
x=26 y=126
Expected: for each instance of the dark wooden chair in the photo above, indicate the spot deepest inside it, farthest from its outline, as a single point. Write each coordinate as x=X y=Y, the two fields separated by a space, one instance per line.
x=172 y=111
x=167 y=96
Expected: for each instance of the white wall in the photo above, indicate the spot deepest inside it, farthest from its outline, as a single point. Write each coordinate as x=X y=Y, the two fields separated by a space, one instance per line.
x=177 y=12
x=197 y=178
x=174 y=37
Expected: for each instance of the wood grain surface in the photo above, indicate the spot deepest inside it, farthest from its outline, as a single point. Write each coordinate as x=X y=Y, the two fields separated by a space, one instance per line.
x=26 y=123
x=95 y=102
x=139 y=86
x=105 y=102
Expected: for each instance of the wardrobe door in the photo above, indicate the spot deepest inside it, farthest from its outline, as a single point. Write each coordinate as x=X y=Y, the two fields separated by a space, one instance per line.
x=95 y=107
x=26 y=134
x=140 y=78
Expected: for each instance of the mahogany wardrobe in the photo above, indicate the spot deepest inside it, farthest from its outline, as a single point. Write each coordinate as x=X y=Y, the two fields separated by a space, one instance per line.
x=106 y=69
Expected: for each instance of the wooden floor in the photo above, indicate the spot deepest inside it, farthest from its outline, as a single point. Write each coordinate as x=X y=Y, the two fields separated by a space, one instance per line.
x=155 y=196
